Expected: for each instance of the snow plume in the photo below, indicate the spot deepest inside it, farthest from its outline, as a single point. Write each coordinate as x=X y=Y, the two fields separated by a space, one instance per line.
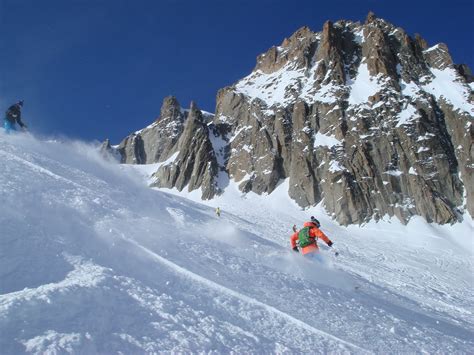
x=225 y=233
x=93 y=261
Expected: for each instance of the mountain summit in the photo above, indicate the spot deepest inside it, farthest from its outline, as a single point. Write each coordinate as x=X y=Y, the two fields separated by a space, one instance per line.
x=361 y=117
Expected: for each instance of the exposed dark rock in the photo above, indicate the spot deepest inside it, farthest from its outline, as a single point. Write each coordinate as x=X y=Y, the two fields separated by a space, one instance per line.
x=370 y=18
x=195 y=165
x=158 y=141
x=465 y=72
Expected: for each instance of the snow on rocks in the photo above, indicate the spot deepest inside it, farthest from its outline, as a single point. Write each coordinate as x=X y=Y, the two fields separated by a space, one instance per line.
x=322 y=140
x=445 y=85
x=407 y=116
x=363 y=86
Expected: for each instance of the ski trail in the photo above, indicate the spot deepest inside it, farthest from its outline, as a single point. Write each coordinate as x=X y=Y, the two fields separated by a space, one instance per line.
x=195 y=277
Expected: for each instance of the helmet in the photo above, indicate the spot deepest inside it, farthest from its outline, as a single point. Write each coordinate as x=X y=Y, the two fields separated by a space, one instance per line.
x=20 y=102
x=315 y=221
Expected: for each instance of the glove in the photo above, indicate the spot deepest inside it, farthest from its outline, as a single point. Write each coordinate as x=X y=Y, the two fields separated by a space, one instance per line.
x=296 y=249
x=330 y=244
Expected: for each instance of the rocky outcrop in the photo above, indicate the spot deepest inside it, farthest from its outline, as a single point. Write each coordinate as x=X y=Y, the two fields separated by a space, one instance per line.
x=360 y=120
x=179 y=140
x=157 y=141
x=195 y=165
x=296 y=50
x=360 y=117
x=465 y=72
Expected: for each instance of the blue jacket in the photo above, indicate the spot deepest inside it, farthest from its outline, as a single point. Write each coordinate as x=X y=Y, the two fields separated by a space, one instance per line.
x=13 y=115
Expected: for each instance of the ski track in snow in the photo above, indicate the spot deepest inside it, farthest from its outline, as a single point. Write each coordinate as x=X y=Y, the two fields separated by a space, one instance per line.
x=92 y=262
x=242 y=297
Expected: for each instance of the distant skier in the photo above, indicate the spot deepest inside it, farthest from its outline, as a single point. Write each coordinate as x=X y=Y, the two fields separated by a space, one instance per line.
x=307 y=238
x=218 y=212
x=13 y=116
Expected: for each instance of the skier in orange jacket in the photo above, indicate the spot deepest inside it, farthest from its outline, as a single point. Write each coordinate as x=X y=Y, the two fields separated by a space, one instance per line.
x=308 y=235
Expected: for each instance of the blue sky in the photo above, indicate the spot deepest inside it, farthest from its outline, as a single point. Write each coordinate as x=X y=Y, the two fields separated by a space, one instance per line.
x=96 y=69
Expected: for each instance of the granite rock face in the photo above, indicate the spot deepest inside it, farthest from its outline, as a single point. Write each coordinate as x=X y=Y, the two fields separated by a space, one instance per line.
x=157 y=141
x=181 y=142
x=195 y=165
x=361 y=117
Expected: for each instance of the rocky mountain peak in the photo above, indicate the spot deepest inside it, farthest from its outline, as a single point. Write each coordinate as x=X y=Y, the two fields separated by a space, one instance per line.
x=194 y=112
x=370 y=18
x=362 y=118
x=465 y=72
x=295 y=49
x=194 y=164
x=329 y=39
x=170 y=109
x=300 y=35
x=438 y=57
x=420 y=41
x=328 y=29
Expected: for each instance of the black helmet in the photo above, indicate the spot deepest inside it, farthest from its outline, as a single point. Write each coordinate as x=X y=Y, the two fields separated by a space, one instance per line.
x=20 y=102
x=315 y=221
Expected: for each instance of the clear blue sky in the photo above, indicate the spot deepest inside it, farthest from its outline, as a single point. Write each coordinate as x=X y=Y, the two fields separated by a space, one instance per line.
x=93 y=69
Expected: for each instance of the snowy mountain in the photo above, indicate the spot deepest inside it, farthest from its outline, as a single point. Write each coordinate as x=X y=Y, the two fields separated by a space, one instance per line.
x=362 y=118
x=93 y=261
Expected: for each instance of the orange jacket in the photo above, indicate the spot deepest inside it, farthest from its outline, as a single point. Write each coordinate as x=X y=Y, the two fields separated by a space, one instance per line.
x=313 y=247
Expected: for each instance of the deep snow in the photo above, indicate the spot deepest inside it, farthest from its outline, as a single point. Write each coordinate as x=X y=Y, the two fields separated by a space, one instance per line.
x=93 y=261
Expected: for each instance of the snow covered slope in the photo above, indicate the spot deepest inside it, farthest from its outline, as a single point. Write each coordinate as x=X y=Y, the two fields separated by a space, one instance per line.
x=92 y=261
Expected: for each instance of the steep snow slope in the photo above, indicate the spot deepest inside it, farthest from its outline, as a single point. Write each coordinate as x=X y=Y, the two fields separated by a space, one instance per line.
x=92 y=261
